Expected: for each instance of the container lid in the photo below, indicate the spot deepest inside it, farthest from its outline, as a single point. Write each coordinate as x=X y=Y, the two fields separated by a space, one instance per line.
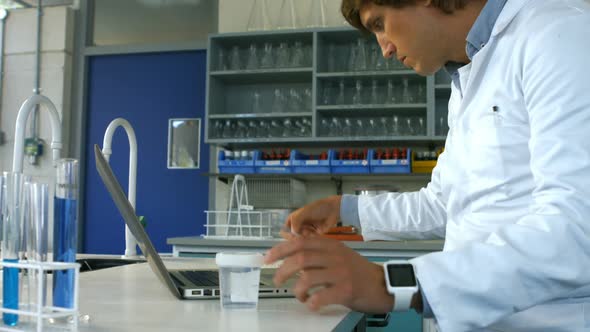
x=240 y=259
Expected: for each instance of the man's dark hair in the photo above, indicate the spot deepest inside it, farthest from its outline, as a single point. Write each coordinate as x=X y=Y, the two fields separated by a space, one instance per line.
x=351 y=8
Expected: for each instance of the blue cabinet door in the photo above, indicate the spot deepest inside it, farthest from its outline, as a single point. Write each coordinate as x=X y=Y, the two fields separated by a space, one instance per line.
x=147 y=90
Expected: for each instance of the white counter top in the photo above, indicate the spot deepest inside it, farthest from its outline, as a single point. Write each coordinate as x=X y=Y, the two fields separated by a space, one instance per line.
x=130 y=298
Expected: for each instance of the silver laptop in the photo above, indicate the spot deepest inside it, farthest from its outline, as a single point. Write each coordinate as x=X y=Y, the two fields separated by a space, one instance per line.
x=184 y=284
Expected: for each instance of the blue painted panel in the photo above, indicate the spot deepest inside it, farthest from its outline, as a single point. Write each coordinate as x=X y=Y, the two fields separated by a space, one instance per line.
x=147 y=90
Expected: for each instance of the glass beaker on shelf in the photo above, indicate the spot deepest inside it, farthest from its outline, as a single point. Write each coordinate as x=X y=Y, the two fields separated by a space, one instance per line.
x=396 y=126
x=347 y=128
x=407 y=97
x=241 y=129
x=263 y=129
x=276 y=129
x=234 y=58
x=298 y=58
x=335 y=127
x=252 y=58
x=259 y=19
x=324 y=127
x=278 y=101
x=391 y=96
x=294 y=104
x=252 y=129
x=340 y=98
x=357 y=98
x=267 y=57
x=228 y=129
x=374 y=93
x=420 y=93
x=287 y=128
x=256 y=103
x=331 y=60
x=221 y=59
x=382 y=126
x=361 y=55
x=352 y=57
x=282 y=60
x=307 y=99
x=421 y=126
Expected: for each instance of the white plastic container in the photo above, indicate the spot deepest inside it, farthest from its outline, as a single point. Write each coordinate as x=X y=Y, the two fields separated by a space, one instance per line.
x=239 y=279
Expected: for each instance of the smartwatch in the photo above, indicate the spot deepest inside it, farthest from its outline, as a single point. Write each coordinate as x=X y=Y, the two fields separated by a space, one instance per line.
x=400 y=280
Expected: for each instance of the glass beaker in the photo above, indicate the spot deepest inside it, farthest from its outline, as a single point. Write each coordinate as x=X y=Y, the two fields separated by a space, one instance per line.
x=278 y=101
x=65 y=233
x=407 y=97
x=256 y=103
x=361 y=55
x=374 y=93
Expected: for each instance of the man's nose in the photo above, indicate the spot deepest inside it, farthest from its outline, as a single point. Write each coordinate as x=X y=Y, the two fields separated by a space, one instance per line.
x=387 y=47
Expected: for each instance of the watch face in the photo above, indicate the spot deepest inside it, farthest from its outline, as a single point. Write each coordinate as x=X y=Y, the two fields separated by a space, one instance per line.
x=401 y=275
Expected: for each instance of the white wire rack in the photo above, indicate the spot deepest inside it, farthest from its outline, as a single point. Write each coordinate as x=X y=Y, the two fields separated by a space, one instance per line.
x=37 y=315
x=240 y=221
x=239 y=225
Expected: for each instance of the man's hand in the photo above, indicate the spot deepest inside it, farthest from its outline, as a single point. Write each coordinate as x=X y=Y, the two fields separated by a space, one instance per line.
x=314 y=218
x=331 y=273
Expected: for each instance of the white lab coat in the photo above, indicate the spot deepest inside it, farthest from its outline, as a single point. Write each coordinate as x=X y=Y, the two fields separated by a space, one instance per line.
x=511 y=192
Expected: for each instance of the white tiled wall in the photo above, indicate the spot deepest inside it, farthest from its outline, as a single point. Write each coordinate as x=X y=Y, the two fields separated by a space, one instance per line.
x=19 y=76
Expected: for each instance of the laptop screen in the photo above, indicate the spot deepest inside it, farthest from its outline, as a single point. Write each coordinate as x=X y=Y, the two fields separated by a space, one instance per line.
x=128 y=214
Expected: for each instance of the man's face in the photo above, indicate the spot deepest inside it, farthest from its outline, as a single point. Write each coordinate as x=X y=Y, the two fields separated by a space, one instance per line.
x=411 y=34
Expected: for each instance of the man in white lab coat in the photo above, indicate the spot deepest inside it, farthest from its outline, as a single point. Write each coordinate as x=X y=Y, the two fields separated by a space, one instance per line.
x=511 y=192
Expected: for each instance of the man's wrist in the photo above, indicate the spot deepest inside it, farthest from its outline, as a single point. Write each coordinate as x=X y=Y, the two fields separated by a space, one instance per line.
x=417 y=303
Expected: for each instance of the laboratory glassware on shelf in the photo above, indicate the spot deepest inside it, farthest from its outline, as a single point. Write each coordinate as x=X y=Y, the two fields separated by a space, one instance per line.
x=130 y=241
x=240 y=221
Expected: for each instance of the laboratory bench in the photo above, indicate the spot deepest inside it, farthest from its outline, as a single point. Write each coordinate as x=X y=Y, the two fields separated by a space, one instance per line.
x=196 y=246
x=131 y=298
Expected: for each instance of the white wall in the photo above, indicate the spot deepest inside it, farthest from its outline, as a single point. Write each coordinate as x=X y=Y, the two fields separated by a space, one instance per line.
x=234 y=14
x=19 y=76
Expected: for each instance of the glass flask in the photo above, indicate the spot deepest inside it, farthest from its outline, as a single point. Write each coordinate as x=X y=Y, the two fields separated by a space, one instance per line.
x=374 y=92
x=256 y=103
x=252 y=58
x=259 y=19
x=278 y=101
x=282 y=60
x=396 y=126
x=267 y=57
x=358 y=93
x=406 y=95
x=234 y=58
x=298 y=58
x=340 y=98
x=390 y=97
x=360 y=63
x=287 y=16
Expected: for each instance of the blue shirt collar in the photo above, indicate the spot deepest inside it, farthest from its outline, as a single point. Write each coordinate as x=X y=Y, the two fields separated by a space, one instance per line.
x=480 y=33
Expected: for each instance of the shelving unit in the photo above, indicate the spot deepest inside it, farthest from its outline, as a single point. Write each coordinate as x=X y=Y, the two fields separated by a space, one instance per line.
x=249 y=72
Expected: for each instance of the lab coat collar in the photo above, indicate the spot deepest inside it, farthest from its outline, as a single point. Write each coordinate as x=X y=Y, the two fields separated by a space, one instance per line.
x=511 y=9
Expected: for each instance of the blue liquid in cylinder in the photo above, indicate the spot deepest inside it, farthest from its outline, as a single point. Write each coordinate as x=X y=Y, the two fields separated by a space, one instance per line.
x=64 y=250
x=10 y=292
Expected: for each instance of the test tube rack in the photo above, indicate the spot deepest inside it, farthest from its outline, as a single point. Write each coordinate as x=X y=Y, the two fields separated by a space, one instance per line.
x=38 y=316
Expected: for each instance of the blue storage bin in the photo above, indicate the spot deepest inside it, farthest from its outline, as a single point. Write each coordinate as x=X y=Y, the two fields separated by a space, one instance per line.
x=399 y=166
x=302 y=165
x=350 y=166
x=234 y=166
x=271 y=166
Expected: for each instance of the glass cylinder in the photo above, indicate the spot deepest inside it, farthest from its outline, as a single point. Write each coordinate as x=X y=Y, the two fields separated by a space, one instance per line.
x=12 y=201
x=65 y=233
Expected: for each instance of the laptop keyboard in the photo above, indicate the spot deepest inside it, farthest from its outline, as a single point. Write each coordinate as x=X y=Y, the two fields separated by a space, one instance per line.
x=202 y=278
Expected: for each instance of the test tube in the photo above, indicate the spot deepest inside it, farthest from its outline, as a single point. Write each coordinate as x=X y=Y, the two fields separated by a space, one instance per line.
x=11 y=211
x=65 y=230
x=36 y=239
